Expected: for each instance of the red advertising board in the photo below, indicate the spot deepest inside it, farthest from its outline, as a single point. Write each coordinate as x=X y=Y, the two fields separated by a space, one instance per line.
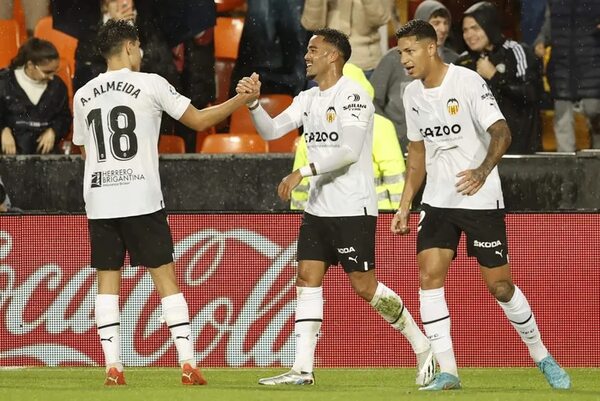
x=237 y=273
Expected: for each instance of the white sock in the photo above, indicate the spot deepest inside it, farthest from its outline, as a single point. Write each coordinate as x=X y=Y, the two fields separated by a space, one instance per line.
x=309 y=316
x=436 y=321
x=108 y=323
x=175 y=312
x=519 y=313
x=390 y=306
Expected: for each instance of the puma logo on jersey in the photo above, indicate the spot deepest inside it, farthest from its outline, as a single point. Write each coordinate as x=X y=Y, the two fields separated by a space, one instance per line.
x=415 y=110
x=183 y=337
x=109 y=339
x=499 y=252
x=355 y=115
x=354 y=259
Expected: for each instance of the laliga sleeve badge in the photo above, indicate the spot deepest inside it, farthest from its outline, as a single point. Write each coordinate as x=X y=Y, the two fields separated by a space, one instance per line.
x=501 y=68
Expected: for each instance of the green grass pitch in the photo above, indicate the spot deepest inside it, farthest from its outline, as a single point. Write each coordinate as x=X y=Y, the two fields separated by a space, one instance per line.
x=148 y=384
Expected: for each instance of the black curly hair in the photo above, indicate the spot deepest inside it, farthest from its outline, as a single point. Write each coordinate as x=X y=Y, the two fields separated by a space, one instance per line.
x=112 y=35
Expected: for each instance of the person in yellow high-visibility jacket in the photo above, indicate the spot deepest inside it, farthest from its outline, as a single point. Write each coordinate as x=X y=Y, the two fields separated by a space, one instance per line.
x=388 y=161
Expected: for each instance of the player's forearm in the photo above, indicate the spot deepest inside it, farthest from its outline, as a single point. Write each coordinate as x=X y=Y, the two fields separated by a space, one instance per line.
x=271 y=128
x=499 y=143
x=213 y=115
x=337 y=160
x=415 y=174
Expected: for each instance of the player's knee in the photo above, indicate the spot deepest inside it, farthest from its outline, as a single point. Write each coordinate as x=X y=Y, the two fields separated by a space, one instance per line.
x=502 y=290
x=363 y=289
x=427 y=280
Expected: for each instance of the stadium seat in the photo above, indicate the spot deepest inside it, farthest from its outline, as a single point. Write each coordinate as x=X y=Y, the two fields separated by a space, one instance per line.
x=171 y=144
x=19 y=16
x=274 y=104
x=65 y=73
x=234 y=143
x=582 y=133
x=228 y=5
x=228 y=32
x=201 y=136
x=64 y=43
x=9 y=40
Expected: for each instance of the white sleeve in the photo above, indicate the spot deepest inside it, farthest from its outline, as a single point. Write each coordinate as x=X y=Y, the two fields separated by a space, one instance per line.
x=167 y=98
x=412 y=129
x=272 y=128
x=79 y=128
x=355 y=110
x=484 y=107
x=352 y=141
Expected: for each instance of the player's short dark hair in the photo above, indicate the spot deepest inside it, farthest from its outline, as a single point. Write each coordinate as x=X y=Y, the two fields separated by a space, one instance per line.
x=112 y=35
x=419 y=28
x=338 y=39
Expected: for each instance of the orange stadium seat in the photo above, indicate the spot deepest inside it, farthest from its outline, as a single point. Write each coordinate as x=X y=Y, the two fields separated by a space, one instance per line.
x=201 y=136
x=64 y=43
x=274 y=104
x=171 y=144
x=234 y=143
x=19 y=16
x=65 y=73
x=228 y=5
x=9 y=40
x=228 y=32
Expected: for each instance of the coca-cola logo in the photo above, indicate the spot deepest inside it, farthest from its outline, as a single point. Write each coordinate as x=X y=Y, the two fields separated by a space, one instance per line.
x=199 y=257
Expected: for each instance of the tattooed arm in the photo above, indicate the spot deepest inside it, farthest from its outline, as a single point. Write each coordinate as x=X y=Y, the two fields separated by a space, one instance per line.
x=472 y=180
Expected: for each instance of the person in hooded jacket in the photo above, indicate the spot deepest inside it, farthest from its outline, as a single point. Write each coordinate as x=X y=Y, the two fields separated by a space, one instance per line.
x=511 y=71
x=389 y=78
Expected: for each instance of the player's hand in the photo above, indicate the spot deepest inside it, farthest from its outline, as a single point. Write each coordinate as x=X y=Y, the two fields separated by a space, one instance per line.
x=289 y=182
x=8 y=142
x=400 y=222
x=471 y=181
x=485 y=68
x=249 y=87
x=46 y=141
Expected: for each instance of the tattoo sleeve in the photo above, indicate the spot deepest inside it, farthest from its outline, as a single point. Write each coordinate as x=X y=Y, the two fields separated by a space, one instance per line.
x=499 y=143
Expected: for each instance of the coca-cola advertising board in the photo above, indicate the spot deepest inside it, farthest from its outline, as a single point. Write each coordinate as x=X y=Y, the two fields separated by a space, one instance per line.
x=237 y=273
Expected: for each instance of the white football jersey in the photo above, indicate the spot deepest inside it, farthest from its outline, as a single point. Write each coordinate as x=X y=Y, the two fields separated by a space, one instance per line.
x=117 y=118
x=453 y=120
x=349 y=191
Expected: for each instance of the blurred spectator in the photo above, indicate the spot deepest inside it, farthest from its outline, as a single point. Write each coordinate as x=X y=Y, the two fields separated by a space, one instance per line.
x=34 y=107
x=389 y=78
x=177 y=41
x=5 y=205
x=273 y=44
x=388 y=161
x=359 y=19
x=34 y=10
x=572 y=30
x=532 y=18
x=511 y=71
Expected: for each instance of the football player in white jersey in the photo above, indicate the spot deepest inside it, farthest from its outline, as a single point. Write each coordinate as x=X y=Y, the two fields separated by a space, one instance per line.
x=339 y=222
x=457 y=136
x=117 y=120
